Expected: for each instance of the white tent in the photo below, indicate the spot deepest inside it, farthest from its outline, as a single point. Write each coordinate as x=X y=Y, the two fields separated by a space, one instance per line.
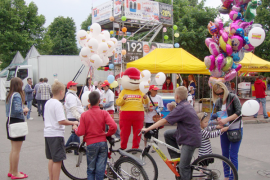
x=32 y=53
x=17 y=60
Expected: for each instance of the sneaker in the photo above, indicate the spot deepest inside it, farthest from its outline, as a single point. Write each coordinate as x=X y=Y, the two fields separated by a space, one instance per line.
x=30 y=118
x=153 y=151
x=265 y=117
x=255 y=116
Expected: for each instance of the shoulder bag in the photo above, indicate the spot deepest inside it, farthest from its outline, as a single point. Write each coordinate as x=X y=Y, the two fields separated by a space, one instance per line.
x=236 y=134
x=16 y=129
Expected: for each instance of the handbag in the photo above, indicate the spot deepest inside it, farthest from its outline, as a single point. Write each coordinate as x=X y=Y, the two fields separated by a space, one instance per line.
x=235 y=135
x=16 y=129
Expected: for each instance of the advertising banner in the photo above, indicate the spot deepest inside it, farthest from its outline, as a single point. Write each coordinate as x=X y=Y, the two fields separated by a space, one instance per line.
x=137 y=50
x=166 y=13
x=117 y=7
x=117 y=55
x=142 y=10
x=102 y=13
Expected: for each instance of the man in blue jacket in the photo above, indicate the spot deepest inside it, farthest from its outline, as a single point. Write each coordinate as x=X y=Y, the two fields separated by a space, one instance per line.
x=29 y=97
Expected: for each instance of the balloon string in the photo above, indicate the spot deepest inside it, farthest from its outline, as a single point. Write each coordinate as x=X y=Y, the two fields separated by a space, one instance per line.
x=86 y=77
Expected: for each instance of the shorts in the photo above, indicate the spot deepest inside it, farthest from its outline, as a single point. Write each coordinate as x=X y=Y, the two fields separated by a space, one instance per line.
x=55 y=148
x=14 y=120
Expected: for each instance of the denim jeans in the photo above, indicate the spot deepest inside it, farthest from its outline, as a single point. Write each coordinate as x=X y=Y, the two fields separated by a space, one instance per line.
x=29 y=106
x=184 y=165
x=39 y=106
x=170 y=139
x=97 y=154
x=263 y=101
x=73 y=137
x=43 y=102
x=230 y=150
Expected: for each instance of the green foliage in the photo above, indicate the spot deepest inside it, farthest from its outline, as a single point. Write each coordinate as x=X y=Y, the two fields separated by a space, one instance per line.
x=45 y=46
x=262 y=18
x=62 y=34
x=87 y=23
x=20 y=28
x=192 y=20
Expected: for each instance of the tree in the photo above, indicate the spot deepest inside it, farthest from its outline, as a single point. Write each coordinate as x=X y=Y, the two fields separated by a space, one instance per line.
x=87 y=23
x=45 y=46
x=20 y=28
x=262 y=18
x=192 y=20
x=62 y=34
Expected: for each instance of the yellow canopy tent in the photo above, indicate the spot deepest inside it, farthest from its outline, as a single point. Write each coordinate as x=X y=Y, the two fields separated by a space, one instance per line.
x=171 y=60
x=252 y=63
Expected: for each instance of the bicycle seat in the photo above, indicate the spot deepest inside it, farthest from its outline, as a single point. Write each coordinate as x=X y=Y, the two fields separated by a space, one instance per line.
x=112 y=141
x=74 y=144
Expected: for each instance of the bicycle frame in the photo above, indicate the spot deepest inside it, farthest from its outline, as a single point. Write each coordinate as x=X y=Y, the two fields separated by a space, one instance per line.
x=171 y=163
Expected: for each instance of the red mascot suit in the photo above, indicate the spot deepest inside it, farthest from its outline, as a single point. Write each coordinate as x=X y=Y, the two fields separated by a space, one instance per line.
x=131 y=101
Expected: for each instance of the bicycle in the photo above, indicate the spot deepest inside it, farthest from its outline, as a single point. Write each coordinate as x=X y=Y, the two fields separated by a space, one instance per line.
x=204 y=167
x=126 y=167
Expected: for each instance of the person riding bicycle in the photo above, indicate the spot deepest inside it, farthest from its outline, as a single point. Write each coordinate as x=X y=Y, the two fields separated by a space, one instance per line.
x=188 y=132
x=92 y=127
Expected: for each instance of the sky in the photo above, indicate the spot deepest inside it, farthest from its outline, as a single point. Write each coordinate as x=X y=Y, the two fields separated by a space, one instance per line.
x=79 y=10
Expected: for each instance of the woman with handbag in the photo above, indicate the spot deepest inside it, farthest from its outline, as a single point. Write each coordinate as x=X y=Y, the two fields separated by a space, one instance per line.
x=230 y=104
x=155 y=106
x=15 y=113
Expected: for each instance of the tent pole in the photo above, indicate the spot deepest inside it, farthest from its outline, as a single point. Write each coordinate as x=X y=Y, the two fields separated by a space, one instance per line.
x=199 y=91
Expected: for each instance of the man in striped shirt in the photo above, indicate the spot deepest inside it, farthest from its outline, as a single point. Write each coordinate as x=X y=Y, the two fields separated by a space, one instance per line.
x=46 y=91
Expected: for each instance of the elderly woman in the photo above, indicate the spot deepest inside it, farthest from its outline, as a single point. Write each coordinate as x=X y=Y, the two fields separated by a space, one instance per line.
x=228 y=102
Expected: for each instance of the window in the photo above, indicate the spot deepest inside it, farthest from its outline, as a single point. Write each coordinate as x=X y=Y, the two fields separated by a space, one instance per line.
x=11 y=74
x=22 y=73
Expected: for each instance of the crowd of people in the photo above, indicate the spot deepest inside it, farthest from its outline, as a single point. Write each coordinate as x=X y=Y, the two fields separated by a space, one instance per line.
x=96 y=122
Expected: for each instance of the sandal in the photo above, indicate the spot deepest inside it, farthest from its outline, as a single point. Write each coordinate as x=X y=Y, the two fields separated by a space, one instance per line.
x=9 y=174
x=14 y=177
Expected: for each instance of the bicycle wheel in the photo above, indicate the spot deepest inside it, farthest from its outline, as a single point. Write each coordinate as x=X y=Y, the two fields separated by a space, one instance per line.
x=129 y=169
x=150 y=167
x=213 y=166
x=75 y=166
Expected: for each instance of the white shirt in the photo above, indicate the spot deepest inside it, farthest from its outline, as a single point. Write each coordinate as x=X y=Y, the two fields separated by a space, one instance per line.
x=91 y=88
x=107 y=97
x=158 y=103
x=54 y=112
x=101 y=92
x=190 y=99
x=72 y=100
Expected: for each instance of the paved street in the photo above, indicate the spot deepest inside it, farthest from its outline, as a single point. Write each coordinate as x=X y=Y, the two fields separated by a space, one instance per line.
x=254 y=151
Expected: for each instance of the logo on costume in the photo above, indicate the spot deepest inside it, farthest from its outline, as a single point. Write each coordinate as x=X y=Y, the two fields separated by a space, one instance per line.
x=134 y=97
x=104 y=100
x=156 y=104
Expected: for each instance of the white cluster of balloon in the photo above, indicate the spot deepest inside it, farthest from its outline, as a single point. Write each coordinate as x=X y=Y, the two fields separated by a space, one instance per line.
x=97 y=46
x=146 y=79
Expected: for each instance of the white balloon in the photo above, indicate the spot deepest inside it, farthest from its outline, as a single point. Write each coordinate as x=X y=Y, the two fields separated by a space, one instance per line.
x=95 y=29
x=250 y=108
x=149 y=80
x=145 y=75
x=105 y=61
x=256 y=36
x=85 y=52
x=82 y=35
x=101 y=38
x=85 y=98
x=106 y=34
x=83 y=43
x=95 y=61
x=103 y=48
x=160 y=78
x=144 y=87
x=114 y=40
x=93 y=44
x=110 y=45
x=86 y=62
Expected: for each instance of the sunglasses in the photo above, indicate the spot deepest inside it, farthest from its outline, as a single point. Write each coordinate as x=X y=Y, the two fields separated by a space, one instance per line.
x=204 y=116
x=220 y=94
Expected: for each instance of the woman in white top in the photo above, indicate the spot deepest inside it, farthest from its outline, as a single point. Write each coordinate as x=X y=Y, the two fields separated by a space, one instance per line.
x=101 y=92
x=74 y=109
x=88 y=85
x=154 y=106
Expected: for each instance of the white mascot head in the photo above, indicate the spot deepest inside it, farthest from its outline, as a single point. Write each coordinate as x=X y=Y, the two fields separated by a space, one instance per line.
x=130 y=79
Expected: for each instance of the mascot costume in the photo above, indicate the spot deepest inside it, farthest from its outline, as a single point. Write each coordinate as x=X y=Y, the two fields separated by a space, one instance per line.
x=131 y=101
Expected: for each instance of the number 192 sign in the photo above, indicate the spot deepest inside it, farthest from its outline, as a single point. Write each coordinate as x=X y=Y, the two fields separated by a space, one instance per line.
x=134 y=50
